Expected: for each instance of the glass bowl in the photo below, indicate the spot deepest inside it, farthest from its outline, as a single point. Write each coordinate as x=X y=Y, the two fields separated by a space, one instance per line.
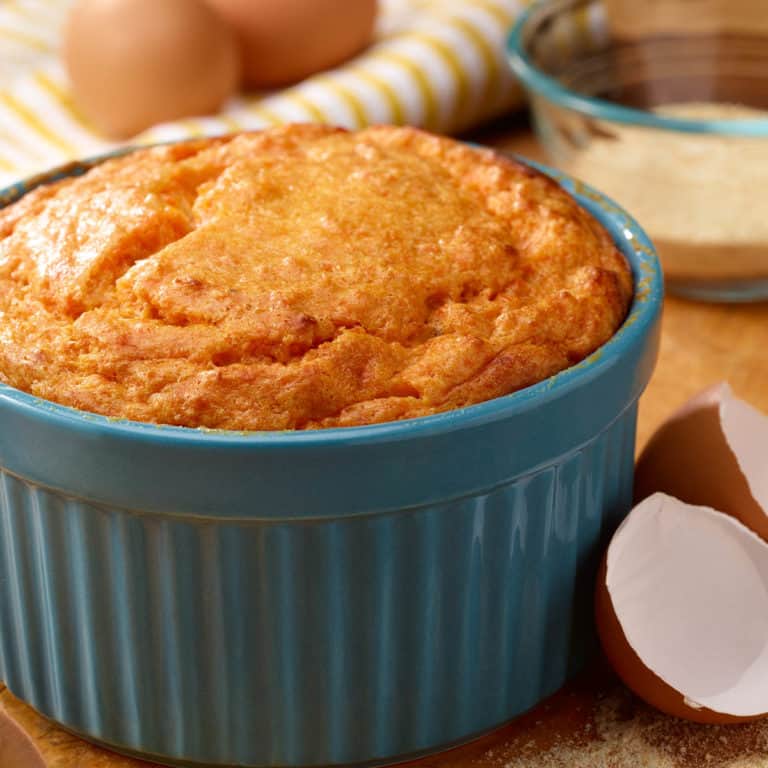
x=663 y=105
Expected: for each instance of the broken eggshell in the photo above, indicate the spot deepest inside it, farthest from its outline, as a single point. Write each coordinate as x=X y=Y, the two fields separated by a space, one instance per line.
x=712 y=452
x=682 y=611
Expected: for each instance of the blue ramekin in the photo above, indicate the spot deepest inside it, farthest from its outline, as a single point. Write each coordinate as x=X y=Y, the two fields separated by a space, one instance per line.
x=355 y=595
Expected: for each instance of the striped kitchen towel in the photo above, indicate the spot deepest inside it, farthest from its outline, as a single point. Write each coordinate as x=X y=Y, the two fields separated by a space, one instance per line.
x=439 y=64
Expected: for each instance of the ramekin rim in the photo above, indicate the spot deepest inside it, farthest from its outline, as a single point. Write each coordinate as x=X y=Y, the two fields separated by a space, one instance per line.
x=646 y=305
x=538 y=82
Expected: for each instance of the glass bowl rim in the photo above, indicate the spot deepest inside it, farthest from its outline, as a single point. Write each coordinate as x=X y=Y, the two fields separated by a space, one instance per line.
x=537 y=81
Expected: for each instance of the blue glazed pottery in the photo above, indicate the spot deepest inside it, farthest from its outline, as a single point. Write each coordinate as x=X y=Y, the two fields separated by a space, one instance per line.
x=344 y=596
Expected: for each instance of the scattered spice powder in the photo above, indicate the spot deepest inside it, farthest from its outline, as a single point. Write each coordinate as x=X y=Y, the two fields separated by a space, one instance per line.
x=629 y=734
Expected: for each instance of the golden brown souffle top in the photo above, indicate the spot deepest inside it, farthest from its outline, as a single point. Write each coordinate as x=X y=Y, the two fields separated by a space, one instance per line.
x=300 y=277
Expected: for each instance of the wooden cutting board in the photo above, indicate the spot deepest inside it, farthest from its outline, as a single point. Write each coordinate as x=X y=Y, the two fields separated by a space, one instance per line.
x=594 y=722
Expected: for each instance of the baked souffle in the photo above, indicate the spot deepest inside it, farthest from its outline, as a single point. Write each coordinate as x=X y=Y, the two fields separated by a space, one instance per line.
x=301 y=277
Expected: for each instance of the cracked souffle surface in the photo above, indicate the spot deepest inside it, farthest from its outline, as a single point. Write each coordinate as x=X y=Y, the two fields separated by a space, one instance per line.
x=300 y=277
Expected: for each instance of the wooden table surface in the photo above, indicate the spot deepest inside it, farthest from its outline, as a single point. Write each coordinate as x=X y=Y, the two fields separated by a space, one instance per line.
x=594 y=722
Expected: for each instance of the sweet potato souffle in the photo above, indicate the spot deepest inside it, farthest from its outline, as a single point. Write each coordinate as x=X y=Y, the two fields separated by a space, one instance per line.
x=300 y=277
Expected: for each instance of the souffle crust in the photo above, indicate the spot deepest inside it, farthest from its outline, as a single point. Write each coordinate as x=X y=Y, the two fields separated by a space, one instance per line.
x=300 y=277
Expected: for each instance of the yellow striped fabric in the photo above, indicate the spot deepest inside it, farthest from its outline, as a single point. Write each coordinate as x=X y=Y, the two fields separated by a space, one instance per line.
x=438 y=64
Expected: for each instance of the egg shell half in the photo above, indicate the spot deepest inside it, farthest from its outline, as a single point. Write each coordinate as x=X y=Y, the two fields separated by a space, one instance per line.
x=682 y=611
x=712 y=452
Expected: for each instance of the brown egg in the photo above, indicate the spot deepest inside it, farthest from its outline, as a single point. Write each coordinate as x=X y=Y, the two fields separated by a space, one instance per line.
x=682 y=611
x=16 y=748
x=284 y=41
x=712 y=452
x=134 y=63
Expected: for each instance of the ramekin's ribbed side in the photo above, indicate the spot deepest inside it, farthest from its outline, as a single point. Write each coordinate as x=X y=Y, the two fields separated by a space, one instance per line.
x=306 y=643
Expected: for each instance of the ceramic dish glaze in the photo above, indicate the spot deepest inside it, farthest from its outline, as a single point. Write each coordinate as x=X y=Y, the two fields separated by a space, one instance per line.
x=315 y=598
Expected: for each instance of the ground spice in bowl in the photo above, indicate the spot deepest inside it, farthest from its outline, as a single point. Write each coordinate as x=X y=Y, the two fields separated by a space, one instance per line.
x=695 y=193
